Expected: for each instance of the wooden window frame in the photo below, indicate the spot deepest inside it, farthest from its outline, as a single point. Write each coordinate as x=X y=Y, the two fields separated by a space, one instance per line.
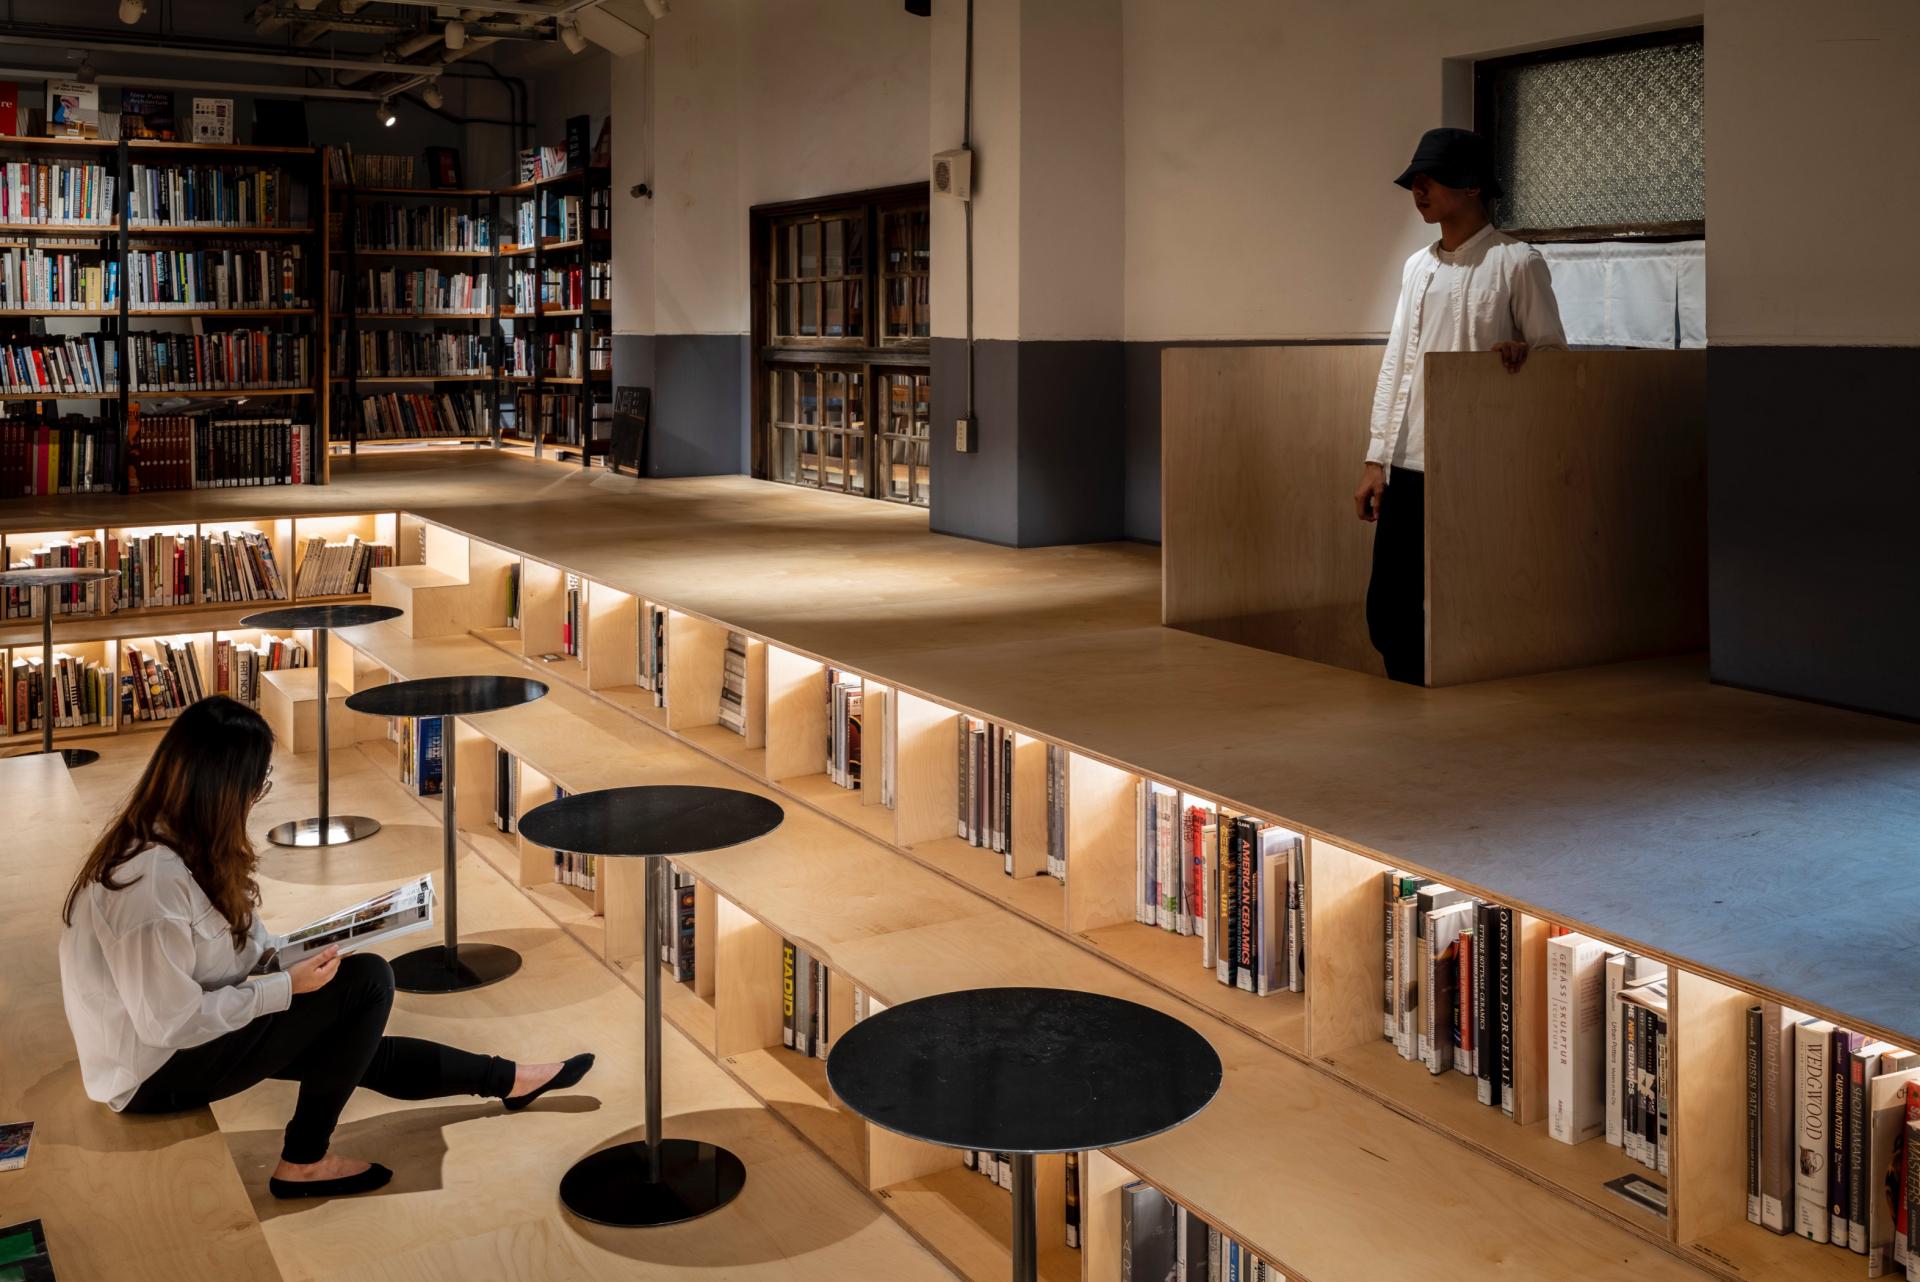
x=1486 y=124
x=868 y=353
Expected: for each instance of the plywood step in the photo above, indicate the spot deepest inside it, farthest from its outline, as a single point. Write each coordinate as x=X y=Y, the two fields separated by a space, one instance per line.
x=436 y=602
x=289 y=700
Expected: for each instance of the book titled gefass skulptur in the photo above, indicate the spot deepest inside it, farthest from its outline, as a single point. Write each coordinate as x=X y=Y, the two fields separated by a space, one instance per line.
x=400 y=911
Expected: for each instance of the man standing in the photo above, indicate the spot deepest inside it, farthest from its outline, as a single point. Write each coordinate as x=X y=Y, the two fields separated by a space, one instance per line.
x=1475 y=290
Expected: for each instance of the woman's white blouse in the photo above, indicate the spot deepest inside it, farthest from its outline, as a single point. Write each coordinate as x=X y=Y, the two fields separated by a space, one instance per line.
x=151 y=968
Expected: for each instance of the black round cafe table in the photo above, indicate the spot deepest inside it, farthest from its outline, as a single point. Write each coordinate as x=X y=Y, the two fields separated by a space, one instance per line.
x=451 y=966
x=47 y=578
x=1023 y=1071
x=658 y=1180
x=325 y=828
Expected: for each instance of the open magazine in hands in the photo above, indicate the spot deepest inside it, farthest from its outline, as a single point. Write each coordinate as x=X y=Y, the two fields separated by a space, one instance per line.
x=400 y=911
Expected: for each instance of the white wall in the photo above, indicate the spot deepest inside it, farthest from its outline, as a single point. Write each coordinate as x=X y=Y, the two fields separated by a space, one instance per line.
x=1811 y=186
x=756 y=101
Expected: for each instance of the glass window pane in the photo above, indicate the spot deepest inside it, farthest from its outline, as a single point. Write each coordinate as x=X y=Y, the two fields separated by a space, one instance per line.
x=856 y=462
x=835 y=324
x=809 y=249
x=784 y=241
x=922 y=306
x=809 y=396
x=785 y=315
x=808 y=323
x=856 y=246
x=786 y=455
x=835 y=261
x=854 y=289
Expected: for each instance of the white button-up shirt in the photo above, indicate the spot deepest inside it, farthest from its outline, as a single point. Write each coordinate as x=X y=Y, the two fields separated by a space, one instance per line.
x=1490 y=290
x=151 y=968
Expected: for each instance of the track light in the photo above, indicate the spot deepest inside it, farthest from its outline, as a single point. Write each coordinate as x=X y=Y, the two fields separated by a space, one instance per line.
x=384 y=113
x=131 y=11
x=456 y=34
x=570 y=36
x=86 y=73
x=658 y=8
x=432 y=96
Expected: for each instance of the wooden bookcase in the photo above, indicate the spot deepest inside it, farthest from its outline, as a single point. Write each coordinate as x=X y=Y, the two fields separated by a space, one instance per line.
x=892 y=902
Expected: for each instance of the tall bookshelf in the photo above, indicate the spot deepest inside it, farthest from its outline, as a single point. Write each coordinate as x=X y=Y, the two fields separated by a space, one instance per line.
x=392 y=219
x=283 y=183
x=559 y=270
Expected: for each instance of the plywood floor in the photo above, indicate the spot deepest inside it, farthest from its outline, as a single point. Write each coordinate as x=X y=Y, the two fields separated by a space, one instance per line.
x=1734 y=832
x=473 y=1195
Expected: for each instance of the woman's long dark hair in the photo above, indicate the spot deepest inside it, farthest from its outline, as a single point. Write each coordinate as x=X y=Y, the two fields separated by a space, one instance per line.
x=194 y=797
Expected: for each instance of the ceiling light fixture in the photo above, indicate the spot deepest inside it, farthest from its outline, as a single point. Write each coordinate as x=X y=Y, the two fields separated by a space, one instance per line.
x=570 y=36
x=432 y=96
x=456 y=34
x=384 y=113
x=131 y=11
x=86 y=73
x=658 y=8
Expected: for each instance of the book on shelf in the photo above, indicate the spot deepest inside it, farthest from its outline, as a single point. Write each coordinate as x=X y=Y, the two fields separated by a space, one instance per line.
x=402 y=353
x=677 y=921
x=399 y=912
x=1448 y=983
x=804 y=986
x=733 y=684
x=346 y=169
x=247 y=279
x=239 y=665
x=391 y=224
x=48 y=279
x=73 y=109
x=155 y=569
x=984 y=789
x=1057 y=821
x=506 y=791
x=513 y=594
x=1163 y=1241
x=1232 y=881
x=420 y=743
x=239 y=565
x=61 y=457
x=570 y=638
x=233 y=196
x=201 y=452
x=57 y=192
x=157 y=684
x=227 y=359
x=845 y=708
x=80 y=693
x=338 y=569
x=147 y=114
x=414 y=415
x=1576 y=1056
x=213 y=120
x=67 y=598
x=16 y=1138
x=653 y=652
x=418 y=291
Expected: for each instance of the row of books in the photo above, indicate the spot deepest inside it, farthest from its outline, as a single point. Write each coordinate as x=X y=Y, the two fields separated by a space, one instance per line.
x=678 y=915
x=1058 y=759
x=1234 y=881
x=339 y=569
x=419 y=744
x=555 y=355
x=402 y=353
x=1833 y=1137
x=155 y=569
x=413 y=414
x=805 y=984
x=66 y=457
x=82 y=693
x=1162 y=1241
x=218 y=361
x=202 y=195
x=846 y=704
x=199 y=452
x=538 y=163
x=556 y=416
x=998 y=1167
x=1450 y=984
x=392 y=225
x=227 y=279
x=57 y=280
x=563 y=287
x=159 y=686
x=56 y=364
x=238 y=565
x=346 y=169
x=56 y=192
x=984 y=815
x=238 y=665
x=570 y=617
x=653 y=652
x=414 y=291
x=506 y=791
x=1608 y=1067
x=733 y=684
x=68 y=598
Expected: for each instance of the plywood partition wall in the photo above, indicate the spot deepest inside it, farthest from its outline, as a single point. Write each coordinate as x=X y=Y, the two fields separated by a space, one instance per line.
x=1566 y=511
x=1261 y=448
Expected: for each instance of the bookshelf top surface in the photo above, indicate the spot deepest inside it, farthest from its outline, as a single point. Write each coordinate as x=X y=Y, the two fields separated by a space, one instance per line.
x=413 y=191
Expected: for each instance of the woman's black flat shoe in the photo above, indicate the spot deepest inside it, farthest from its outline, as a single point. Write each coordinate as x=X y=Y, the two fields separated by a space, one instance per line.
x=570 y=1073
x=375 y=1176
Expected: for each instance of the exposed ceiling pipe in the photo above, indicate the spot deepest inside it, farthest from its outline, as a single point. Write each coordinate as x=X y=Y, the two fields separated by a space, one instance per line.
x=520 y=8
x=161 y=82
x=175 y=51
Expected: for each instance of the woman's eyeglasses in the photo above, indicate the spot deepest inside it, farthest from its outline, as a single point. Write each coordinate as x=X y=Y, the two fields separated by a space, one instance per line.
x=266 y=786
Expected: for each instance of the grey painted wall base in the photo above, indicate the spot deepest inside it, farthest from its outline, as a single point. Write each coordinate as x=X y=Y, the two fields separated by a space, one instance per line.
x=1812 y=525
x=1051 y=462
x=700 y=399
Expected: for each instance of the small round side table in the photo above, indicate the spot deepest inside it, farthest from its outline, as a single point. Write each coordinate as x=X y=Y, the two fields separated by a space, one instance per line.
x=48 y=578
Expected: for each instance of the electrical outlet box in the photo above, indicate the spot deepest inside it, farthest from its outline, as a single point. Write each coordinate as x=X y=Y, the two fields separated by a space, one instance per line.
x=963 y=436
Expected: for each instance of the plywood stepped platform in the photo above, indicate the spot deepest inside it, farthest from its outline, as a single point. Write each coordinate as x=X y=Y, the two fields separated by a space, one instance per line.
x=1288 y=1159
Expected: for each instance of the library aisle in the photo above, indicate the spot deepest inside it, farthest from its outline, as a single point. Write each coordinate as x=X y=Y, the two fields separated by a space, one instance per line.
x=473 y=1194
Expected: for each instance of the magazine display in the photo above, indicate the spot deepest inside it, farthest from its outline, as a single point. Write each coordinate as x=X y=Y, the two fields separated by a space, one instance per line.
x=400 y=911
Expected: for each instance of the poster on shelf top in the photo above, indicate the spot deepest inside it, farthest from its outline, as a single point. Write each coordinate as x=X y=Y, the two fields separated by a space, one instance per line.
x=10 y=114
x=147 y=114
x=213 y=120
x=73 y=109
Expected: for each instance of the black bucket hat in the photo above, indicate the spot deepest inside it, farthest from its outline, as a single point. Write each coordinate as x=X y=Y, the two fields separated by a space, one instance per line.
x=1455 y=157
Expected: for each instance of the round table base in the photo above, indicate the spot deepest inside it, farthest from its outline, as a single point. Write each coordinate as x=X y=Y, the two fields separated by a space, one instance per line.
x=75 y=757
x=340 y=830
x=611 y=1186
x=435 y=970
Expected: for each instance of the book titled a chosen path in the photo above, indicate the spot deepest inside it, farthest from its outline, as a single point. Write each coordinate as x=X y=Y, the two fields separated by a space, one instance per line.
x=400 y=911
